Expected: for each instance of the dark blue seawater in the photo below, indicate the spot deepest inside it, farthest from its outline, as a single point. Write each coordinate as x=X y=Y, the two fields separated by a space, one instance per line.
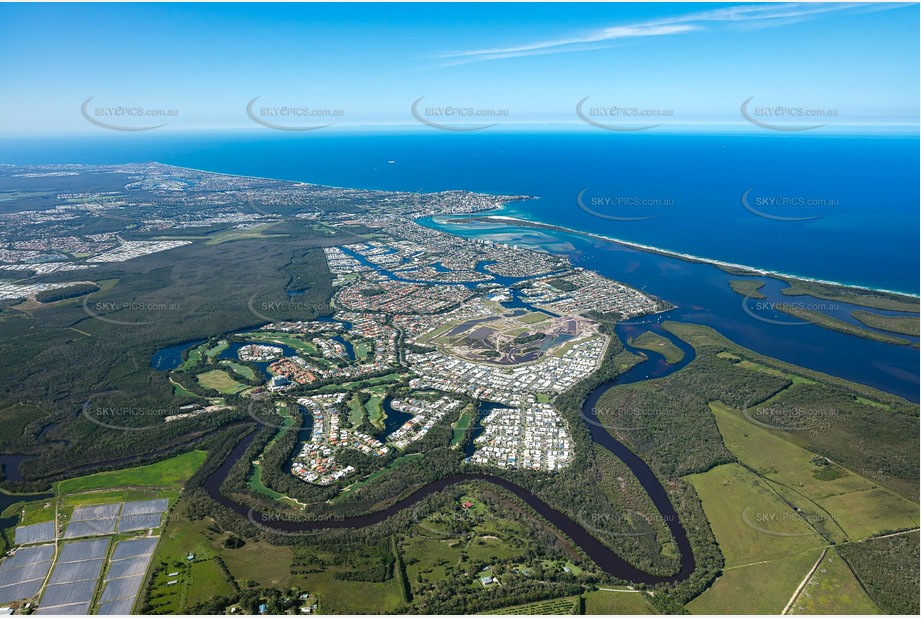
x=865 y=232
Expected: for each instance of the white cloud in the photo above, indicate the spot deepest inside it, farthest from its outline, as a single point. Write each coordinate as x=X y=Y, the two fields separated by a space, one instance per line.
x=748 y=14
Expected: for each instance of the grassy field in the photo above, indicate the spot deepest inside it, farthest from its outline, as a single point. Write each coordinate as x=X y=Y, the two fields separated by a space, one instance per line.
x=533 y=317
x=763 y=588
x=193 y=358
x=427 y=557
x=339 y=596
x=232 y=234
x=747 y=287
x=750 y=522
x=616 y=603
x=460 y=428
x=837 y=501
x=198 y=580
x=181 y=391
x=36 y=513
x=220 y=347
x=302 y=347
x=173 y=472
x=768 y=547
x=356 y=411
x=240 y=369
x=375 y=411
x=220 y=381
x=833 y=589
x=657 y=343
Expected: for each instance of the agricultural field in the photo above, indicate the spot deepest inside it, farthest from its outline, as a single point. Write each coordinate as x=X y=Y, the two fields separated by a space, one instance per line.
x=750 y=522
x=840 y=503
x=201 y=577
x=350 y=597
x=760 y=588
x=833 y=589
x=617 y=602
x=562 y=607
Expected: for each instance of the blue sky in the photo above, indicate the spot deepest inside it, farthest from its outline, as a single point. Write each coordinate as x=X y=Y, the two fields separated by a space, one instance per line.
x=857 y=63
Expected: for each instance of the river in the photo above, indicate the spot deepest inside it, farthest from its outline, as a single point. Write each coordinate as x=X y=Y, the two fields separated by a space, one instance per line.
x=602 y=555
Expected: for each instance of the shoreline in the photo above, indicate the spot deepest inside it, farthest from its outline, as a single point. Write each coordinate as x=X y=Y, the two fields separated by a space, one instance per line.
x=752 y=270
x=687 y=257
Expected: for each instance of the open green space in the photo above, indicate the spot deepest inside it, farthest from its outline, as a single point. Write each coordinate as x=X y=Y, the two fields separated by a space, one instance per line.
x=217 y=349
x=565 y=606
x=362 y=349
x=750 y=522
x=292 y=341
x=533 y=317
x=172 y=472
x=375 y=411
x=758 y=588
x=194 y=357
x=36 y=513
x=220 y=381
x=616 y=602
x=460 y=428
x=232 y=234
x=833 y=589
x=835 y=499
x=197 y=579
x=240 y=369
x=351 y=597
x=657 y=343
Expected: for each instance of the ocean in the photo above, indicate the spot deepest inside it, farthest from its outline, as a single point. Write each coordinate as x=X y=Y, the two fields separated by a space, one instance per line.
x=836 y=208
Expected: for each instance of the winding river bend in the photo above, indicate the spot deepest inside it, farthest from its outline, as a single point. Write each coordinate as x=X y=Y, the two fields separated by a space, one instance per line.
x=603 y=556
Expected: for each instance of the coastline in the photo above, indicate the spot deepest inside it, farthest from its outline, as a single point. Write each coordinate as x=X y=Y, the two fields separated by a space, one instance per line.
x=751 y=270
